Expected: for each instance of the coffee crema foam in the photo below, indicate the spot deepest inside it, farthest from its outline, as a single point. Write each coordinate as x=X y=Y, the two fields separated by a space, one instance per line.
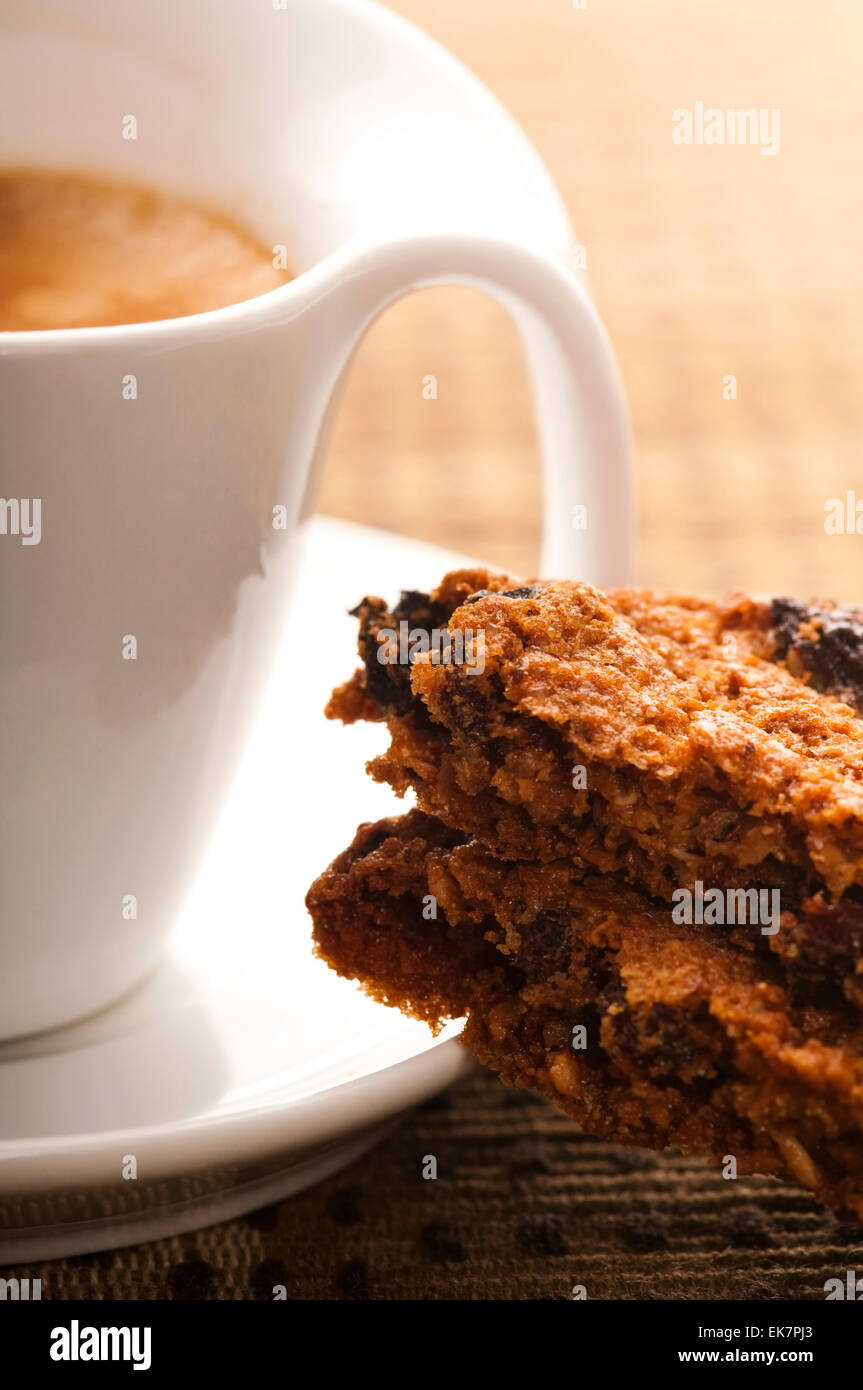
x=82 y=251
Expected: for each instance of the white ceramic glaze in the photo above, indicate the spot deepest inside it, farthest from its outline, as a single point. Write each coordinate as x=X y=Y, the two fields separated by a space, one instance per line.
x=241 y=1069
x=342 y=133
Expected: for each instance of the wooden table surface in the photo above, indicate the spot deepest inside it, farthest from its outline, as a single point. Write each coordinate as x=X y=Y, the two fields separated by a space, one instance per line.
x=705 y=262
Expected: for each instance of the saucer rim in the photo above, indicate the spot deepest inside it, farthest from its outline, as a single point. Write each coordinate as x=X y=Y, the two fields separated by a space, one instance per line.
x=175 y=1148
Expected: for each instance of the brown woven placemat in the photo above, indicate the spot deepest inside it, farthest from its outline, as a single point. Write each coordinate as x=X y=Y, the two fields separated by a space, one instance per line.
x=705 y=262
x=523 y=1207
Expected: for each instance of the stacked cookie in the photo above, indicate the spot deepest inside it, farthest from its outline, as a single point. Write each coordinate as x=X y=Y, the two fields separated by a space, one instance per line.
x=637 y=863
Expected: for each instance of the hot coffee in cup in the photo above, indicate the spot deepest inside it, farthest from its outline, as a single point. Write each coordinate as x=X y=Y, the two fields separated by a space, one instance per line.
x=79 y=251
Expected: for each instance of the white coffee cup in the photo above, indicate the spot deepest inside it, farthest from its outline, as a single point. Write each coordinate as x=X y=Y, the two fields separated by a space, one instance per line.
x=341 y=132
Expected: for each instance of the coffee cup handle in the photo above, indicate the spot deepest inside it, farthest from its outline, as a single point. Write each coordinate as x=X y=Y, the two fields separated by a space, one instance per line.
x=588 y=527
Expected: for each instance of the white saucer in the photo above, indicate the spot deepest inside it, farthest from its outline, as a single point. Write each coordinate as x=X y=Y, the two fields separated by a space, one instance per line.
x=244 y=1069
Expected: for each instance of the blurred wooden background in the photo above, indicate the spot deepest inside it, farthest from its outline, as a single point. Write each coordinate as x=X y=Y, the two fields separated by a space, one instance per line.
x=705 y=261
